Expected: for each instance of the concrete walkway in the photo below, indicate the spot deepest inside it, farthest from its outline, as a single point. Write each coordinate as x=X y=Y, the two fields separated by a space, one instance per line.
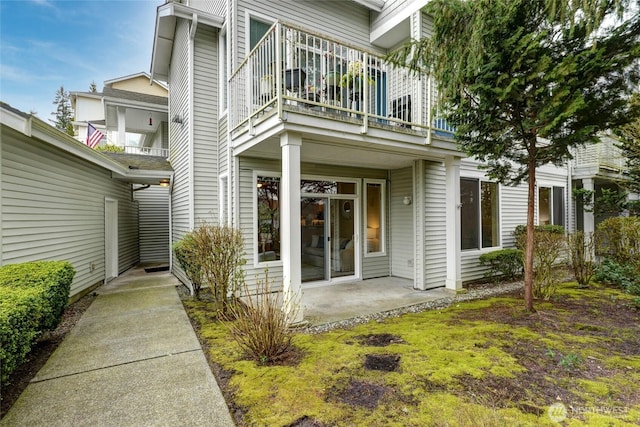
x=133 y=359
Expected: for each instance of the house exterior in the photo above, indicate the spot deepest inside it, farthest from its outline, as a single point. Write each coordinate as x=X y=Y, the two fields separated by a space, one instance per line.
x=335 y=165
x=131 y=112
x=61 y=200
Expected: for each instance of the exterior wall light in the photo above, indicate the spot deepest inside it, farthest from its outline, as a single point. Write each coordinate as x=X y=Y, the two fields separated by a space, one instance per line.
x=407 y=200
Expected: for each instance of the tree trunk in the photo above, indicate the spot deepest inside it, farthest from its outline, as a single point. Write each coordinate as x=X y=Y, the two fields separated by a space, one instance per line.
x=528 y=255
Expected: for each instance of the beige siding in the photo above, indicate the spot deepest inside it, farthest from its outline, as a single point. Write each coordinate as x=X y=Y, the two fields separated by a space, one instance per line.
x=205 y=109
x=402 y=233
x=435 y=225
x=53 y=209
x=153 y=223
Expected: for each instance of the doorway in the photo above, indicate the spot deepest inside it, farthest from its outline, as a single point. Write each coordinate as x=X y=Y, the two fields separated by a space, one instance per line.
x=328 y=227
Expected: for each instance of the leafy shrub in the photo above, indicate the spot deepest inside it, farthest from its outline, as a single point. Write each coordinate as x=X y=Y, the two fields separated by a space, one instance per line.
x=618 y=239
x=53 y=278
x=20 y=315
x=260 y=324
x=214 y=254
x=548 y=244
x=581 y=249
x=185 y=251
x=621 y=275
x=505 y=263
x=33 y=297
x=109 y=148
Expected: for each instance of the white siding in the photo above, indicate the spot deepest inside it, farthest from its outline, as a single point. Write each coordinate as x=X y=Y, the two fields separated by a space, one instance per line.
x=435 y=223
x=153 y=203
x=401 y=219
x=205 y=109
x=179 y=139
x=53 y=209
x=215 y=7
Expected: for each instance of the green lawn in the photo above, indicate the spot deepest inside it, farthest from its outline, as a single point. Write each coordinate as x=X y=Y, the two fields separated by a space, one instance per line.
x=478 y=363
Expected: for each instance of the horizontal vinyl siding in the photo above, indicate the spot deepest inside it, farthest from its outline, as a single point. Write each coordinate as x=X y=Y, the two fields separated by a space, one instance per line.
x=435 y=225
x=402 y=230
x=53 y=209
x=342 y=20
x=153 y=203
x=179 y=139
x=214 y=7
x=205 y=107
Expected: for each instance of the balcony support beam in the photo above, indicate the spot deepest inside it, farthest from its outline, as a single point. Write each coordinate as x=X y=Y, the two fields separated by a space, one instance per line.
x=453 y=246
x=290 y=233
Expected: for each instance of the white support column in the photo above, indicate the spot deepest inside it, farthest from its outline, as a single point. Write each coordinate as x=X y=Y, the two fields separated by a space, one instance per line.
x=122 y=138
x=452 y=189
x=290 y=234
x=589 y=223
x=419 y=209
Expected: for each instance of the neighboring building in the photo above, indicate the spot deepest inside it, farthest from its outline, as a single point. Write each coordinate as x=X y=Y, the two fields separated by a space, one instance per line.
x=335 y=165
x=61 y=200
x=131 y=112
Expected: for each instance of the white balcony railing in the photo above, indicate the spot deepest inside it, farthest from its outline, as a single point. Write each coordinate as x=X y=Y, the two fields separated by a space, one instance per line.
x=602 y=155
x=149 y=151
x=293 y=68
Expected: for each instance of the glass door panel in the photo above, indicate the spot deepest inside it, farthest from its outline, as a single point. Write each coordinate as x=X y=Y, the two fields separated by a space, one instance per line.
x=342 y=243
x=314 y=237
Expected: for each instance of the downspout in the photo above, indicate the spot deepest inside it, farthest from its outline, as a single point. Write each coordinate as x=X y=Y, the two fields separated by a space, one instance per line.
x=570 y=221
x=191 y=132
x=171 y=223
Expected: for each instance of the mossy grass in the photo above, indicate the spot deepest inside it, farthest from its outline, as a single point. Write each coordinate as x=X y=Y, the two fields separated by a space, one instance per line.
x=539 y=358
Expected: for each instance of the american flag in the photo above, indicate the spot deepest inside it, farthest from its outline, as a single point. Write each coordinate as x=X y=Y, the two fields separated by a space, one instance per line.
x=94 y=136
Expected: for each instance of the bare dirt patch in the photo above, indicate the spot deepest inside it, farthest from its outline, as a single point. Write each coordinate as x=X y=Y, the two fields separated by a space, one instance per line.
x=359 y=393
x=40 y=352
x=379 y=340
x=382 y=362
x=306 y=421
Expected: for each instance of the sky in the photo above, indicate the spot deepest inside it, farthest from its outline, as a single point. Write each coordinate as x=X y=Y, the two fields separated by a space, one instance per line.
x=45 y=44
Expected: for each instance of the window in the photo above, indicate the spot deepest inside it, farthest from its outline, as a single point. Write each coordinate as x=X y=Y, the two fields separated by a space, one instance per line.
x=223 y=69
x=480 y=226
x=257 y=30
x=374 y=217
x=268 y=218
x=551 y=206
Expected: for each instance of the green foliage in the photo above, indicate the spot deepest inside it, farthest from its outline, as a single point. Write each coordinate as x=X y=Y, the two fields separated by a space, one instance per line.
x=33 y=297
x=64 y=112
x=570 y=361
x=619 y=239
x=503 y=263
x=621 y=275
x=630 y=145
x=581 y=250
x=259 y=323
x=610 y=202
x=185 y=251
x=20 y=314
x=214 y=256
x=548 y=244
x=109 y=148
x=583 y=197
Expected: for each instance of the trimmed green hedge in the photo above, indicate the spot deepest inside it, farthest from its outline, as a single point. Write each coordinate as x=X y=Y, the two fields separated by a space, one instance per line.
x=33 y=296
x=504 y=263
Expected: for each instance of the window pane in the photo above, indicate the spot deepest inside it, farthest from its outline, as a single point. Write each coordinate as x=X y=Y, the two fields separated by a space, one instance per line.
x=469 y=213
x=490 y=220
x=257 y=29
x=268 y=218
x=558 y=206
x=374 y=217
x=544 y=206
x=327 y=187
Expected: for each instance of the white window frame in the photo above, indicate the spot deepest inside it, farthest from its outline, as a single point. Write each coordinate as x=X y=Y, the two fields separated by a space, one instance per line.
x=480 y=249
x=551 y=186
x=256 y=238
x=383 y=219
x=247 y=27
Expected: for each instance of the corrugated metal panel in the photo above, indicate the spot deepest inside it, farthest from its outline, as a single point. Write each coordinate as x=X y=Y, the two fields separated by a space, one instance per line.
x=205 y=109
x=53 y=209
x=401 y=220
x=153 y=223
x=435 y=223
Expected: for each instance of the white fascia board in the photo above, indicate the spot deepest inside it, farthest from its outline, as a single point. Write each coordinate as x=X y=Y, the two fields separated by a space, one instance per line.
x=375 y=5
x=119 y=102
x=164 y=34
x=396 y=19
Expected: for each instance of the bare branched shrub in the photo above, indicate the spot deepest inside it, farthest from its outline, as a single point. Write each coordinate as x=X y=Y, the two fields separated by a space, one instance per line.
x=549 y=242
x=619 y=240
x=260 y=323
x=581 y=252
x=213 y=256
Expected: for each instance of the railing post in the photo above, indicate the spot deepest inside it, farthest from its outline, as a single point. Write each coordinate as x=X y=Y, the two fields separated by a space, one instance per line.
x=429 y=108
x=365 y=94
x=278 y=38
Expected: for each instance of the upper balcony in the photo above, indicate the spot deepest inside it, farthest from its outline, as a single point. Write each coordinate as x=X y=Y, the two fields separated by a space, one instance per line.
x=293 y=70
x=603 y=158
